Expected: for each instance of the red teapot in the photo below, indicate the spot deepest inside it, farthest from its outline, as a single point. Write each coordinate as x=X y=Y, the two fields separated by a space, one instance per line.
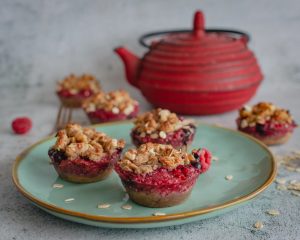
x=203 y=71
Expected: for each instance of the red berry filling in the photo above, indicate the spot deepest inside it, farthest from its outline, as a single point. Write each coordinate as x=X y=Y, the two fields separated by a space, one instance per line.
x=101 y=115
x=21 y=125
x=81 y=94
x=177 y=139
x=80 y=166
x=269 y=129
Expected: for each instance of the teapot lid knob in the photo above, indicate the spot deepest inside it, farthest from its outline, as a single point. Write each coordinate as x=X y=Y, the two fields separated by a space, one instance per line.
x=199 y=28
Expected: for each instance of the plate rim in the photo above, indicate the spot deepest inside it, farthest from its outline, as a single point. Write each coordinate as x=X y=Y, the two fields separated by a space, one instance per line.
x=146 y=219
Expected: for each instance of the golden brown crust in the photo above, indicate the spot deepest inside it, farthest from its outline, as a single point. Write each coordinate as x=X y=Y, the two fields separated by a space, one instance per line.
x=158 y=122
x=151 y=156
x=77 y=141
x=263 y=112
x=75 y=84
x=115 y=101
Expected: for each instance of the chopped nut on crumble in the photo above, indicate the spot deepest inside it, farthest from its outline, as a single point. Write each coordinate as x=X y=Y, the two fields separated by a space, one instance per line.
x=77 y=141
x=116 y=102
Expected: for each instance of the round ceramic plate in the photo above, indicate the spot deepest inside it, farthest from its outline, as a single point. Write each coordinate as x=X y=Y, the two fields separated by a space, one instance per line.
x=249 y=162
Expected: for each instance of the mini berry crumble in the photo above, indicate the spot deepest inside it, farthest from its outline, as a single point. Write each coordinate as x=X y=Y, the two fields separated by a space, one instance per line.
x=164 y=127
x=74 y=89
x=267 y=122
x=83 y=154
x=158 y=175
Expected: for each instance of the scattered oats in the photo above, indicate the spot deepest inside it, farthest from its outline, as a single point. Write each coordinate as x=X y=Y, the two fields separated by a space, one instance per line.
x=295 y=186
x=115 y=110
x=126 y=197
x=296 y=152
x=290 y=169
x=69 y=200
x=104 y=205
x=273 y=212
x=57 y=185
x=295 y=193
x=293 y=181
x=159 y=214
x=281 y=187
x=258 y=225
x=280 y=180
x=127 y=207
x=162 y=134
x=229 y=177
x=214 y=158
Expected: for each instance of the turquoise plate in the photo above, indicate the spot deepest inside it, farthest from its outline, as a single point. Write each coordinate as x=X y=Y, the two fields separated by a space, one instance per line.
x=249 y=162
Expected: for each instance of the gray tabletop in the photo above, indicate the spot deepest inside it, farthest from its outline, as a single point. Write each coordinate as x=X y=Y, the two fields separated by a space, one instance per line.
x=42 y=41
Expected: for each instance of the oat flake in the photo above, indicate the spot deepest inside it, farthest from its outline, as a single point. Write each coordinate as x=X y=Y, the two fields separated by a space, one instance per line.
x=273 y=212
x=103 y=205
x=57 y=185
x=127 y=207
x=69 y=200
x=229 y=177
x=159 y=214
x=258 y=225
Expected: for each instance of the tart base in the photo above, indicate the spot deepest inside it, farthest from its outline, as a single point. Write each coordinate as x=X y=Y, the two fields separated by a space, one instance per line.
x=71 y=102
x=156 y=200
x=84 y=179
x=275 y=140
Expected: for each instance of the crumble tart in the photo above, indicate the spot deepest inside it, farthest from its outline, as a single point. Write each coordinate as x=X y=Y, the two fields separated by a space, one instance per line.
x=84 y=155
x=74 y=89
x=164 y=127
x=267 y=122
x=158 y=175
x=111 y=106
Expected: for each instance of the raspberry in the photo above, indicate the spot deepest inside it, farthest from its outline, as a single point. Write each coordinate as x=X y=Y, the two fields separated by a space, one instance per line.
x=21 y=125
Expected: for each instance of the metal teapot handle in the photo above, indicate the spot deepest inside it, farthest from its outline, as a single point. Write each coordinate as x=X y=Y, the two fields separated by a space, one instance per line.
x=243 y=36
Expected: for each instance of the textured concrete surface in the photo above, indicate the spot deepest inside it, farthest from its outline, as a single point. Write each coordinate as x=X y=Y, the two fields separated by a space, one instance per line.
x=41 y=41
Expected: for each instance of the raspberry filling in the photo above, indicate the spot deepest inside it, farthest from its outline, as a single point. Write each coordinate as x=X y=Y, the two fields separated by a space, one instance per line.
x=81 y=94
x=102 y=115
x=81 y=166
x=164 y=181
x=177 y=139
x=269 y=129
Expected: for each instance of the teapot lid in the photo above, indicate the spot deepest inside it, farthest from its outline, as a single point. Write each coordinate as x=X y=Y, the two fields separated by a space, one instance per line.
x=199 y=36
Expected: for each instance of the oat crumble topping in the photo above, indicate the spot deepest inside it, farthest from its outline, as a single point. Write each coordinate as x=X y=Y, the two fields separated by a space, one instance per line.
x=77 y=141
x=151 y=156
x=263 y=112
x=158 y=122
x=77 y=83
x=116 y=101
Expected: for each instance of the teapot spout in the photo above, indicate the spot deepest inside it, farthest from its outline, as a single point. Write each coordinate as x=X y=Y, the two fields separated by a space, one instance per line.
x=131 y=63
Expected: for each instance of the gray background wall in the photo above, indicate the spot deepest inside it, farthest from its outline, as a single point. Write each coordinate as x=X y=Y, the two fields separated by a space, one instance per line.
x=42 y=41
